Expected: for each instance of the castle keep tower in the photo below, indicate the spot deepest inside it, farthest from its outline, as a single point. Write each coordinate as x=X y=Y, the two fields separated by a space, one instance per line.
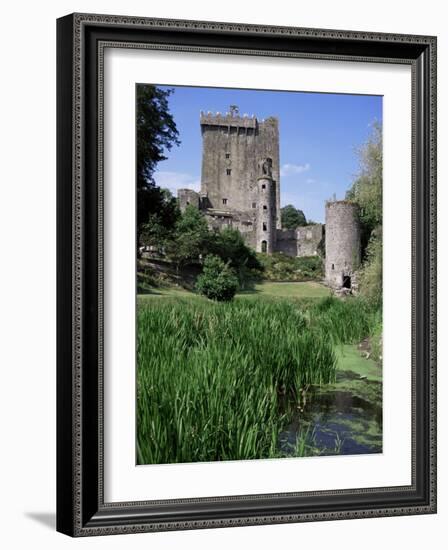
x=342 y=243
x=240 y=184
x=233 y=146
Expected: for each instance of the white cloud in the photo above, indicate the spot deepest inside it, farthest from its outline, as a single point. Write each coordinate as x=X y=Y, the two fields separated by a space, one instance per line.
x=177 y=180
x=289 y=169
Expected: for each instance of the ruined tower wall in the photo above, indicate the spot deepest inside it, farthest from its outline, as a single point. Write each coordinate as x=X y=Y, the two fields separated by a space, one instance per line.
x=300 y=242
x=342 y=241
x=186 y=197
x=309 y=239
x=286 y=242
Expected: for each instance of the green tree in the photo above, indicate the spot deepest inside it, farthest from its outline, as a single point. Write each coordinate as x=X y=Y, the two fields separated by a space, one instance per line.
x=217 y=280
x=156 y=134
x=371 y=273
x=169 y=211
x=367 y=189
x=159 y=227
x=154 y=232
x=191 y=237
x=292 y=217
x=230 y=246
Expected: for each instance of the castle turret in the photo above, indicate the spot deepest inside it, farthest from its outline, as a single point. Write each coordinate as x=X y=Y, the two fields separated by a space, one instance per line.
x=342 y=243
x=266 y=214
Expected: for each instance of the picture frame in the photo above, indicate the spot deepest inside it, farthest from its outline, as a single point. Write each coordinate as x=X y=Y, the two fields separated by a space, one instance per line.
x=81 y=506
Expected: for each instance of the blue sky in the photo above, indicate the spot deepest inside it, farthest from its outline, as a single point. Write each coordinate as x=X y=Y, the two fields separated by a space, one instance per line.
x=319 y=134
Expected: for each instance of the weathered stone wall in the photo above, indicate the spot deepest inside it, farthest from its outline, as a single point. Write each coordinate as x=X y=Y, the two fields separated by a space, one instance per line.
x=309 y=239
x=268 y=146
x=303 y=241
x=232 y=148
x=228 y=176
x=218 y=220
x=186 y=197
x=266 y=215
x=342 y=242
x=286 y=242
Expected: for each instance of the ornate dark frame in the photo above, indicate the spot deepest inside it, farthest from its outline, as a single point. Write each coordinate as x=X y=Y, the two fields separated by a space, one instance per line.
x=81 y=39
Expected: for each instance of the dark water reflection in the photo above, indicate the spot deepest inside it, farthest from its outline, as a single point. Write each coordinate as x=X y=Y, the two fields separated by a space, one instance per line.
x=343 y=418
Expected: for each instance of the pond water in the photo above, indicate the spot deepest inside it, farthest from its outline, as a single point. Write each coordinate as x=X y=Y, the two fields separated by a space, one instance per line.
x=341 y=418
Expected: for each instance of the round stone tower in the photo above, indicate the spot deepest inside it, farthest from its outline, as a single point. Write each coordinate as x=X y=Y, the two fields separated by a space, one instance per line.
x=266 y=214
x=342 y=243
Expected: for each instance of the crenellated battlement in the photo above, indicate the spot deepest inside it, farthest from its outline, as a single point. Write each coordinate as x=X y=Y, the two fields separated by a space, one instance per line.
x=228 y=119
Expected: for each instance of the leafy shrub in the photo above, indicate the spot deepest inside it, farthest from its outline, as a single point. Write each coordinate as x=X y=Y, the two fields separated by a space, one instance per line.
x=230 y=246
x=292 y=217
x=217 y=281
x=371 y=273
x=279 y=267
x=377 y=343
x=190 y=238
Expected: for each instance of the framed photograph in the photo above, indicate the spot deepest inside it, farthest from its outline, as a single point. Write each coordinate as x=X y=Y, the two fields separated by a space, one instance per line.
x=246 y=274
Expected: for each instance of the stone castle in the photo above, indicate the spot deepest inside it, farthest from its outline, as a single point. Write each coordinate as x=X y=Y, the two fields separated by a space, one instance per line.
x=240 y=188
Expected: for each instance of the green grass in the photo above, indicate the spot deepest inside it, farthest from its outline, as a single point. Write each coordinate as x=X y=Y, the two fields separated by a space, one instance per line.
x=168 y=292
x=265 y=290
x=211 y=375
x=308 y=289
x=350 y=359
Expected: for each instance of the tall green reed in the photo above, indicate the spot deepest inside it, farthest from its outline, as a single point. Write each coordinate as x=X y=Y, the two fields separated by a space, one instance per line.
x=210 y=375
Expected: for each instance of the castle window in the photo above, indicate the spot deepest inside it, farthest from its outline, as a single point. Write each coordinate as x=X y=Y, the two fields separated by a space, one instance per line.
x=332 y=266
x=263 y=186
x=228 y=171
x=224 y=201
x=227 y=155
x=265 y=207
x=254 y=205
x=264 y=246
x=265 y=226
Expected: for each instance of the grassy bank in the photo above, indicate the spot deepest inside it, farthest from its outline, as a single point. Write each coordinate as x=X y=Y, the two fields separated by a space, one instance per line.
x=211 y=377
x=265 y=291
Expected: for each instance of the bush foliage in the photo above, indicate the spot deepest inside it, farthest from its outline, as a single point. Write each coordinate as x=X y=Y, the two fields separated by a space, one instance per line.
x=279 y=267
x=371 y=273
x=217 y=281
x=292 y=217
x=367 y=191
